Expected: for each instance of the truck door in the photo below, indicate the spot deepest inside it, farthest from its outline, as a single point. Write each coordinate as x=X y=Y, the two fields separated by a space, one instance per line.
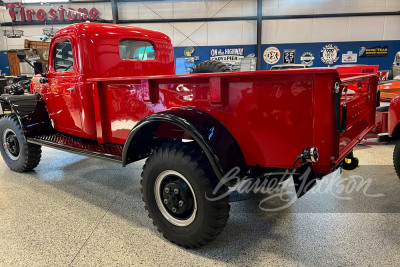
x=63 y=106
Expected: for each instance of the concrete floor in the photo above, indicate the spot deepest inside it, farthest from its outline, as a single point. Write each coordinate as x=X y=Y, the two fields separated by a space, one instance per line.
x=84 y=212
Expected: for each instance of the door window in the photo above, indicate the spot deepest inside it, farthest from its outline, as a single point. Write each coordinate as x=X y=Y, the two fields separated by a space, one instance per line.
x=63 y=60
x=141 y=50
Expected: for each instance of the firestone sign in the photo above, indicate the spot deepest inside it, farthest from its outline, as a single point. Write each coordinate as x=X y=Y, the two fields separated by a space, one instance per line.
x=17 y=11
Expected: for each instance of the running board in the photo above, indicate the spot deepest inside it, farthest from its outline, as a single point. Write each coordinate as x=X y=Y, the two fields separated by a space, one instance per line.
x=80 y=146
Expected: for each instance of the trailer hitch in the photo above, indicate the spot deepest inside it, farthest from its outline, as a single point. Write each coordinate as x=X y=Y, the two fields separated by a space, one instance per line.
x=340 y=125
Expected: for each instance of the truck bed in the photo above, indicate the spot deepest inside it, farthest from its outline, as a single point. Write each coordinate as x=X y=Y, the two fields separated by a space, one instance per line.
x=273 y=115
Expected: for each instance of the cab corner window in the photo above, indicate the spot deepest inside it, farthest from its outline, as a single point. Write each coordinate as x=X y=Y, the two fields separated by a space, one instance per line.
x=63 y=60
x=139 y=50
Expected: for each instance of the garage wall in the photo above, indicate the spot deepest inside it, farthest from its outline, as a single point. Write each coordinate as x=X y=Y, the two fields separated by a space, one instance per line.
x=244 y=32
x=298 y=32
x=274 y=31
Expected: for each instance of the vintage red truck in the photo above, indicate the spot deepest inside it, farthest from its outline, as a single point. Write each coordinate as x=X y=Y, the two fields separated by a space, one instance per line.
x=110 y=92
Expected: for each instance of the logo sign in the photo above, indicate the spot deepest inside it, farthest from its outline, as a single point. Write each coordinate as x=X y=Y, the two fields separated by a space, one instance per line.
x=272 y=55
x=330 y=54
x=289 y=56
x=230 y=56
x=19 y=12
x=349 y=57
x=307 y=58
x=188 y=51
x=373 y=51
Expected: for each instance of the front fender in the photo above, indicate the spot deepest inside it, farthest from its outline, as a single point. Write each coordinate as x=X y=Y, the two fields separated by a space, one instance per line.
x=211 y=135
x=30 y=111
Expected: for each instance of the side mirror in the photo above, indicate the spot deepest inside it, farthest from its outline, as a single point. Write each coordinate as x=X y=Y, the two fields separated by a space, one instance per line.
x=21 y=54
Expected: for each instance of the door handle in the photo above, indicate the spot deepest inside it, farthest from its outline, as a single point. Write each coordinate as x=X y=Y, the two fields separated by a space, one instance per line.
x=71 y=89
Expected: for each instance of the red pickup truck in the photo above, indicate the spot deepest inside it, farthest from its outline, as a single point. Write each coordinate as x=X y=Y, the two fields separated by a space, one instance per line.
x=110 y=92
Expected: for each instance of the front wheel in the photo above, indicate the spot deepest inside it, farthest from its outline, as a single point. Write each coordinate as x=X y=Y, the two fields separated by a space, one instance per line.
x=18 y=154
x=176 y=181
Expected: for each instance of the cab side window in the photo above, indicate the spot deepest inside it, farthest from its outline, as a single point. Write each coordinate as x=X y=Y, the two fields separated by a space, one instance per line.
x=137 y=50
x=63 y=60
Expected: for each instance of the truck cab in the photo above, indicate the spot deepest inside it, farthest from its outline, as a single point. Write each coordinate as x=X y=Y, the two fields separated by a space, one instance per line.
x=78 y=53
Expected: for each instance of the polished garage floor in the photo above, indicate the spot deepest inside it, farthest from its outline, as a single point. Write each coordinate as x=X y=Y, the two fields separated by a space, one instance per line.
x=84 y=212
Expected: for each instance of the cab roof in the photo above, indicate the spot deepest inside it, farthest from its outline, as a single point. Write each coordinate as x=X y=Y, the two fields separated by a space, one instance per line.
x=93 y=29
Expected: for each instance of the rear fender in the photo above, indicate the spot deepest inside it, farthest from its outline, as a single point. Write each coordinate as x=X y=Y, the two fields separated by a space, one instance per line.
x=215 y=140
x=394 y=118
x=30 y=111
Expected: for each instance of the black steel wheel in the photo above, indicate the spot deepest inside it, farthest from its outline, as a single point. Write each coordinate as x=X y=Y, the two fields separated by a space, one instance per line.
x=211 y=66
x=18 y=154
x=175 y=182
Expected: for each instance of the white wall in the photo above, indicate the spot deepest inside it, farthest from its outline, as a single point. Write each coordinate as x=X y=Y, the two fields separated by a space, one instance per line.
x=331 y=30
x=244 y=32
x=199 y=33
x=305 y=7
x=207 y=34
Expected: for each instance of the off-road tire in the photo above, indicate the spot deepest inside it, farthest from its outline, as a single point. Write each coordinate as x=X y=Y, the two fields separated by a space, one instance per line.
x=29 y=154
x=210 y=217
x=390 y=75
x=396 y=158
x=211 y=66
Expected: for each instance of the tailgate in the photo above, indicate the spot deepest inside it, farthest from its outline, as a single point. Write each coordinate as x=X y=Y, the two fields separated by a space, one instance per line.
x=355 y=97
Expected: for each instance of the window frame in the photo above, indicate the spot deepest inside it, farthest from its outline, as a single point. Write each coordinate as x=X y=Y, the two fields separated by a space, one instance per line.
x=55 y=58
x=137 y=40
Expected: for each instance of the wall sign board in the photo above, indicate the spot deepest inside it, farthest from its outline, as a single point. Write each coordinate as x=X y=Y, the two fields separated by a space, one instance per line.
x=19 y=13
x=289 y=56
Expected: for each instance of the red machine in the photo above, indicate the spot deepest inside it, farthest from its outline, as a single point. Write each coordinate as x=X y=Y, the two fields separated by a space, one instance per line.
x=388 y=118
x=110 y=92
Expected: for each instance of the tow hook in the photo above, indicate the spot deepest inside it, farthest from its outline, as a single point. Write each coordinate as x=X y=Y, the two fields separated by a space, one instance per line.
x=304 y=177
x=309 y=154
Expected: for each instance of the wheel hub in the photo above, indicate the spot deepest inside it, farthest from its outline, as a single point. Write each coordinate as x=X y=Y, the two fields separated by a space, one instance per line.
x=176 y=199
x=11 y=144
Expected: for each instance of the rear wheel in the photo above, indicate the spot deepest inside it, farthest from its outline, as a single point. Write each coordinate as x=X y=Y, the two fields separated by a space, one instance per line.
x=19 y=155
x=211 y=66
x=390 y=75
x=175 y=182
x=396 y=158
